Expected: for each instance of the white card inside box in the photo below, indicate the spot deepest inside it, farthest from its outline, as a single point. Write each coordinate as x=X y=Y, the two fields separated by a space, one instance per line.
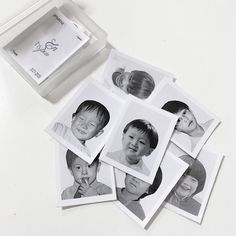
x=50 y=40
x=43 y=47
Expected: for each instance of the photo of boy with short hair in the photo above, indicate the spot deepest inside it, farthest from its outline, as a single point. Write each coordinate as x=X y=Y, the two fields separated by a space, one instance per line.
x=187 y=122
x=139 y=139
x=87 y=122
x=195 y=123
x=138 y=83
x=85 y=178
x=136 y=189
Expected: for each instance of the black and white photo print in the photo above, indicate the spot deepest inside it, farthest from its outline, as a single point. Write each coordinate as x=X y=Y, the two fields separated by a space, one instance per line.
x=190 y=195
x=139 y=140
x=79 y=182
x=139 y=199
x=126 y=75
x=84 y=124
x=195 y=123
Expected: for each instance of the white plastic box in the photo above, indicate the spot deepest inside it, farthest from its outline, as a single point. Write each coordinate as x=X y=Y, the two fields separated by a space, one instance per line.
x=29 y=19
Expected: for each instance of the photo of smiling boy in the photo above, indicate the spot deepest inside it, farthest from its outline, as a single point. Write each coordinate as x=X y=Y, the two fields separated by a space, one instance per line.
x=189 y=185
x=139 y=139
x=87 y=122
x=187 y=122
x=85 y=178
x=136 y=189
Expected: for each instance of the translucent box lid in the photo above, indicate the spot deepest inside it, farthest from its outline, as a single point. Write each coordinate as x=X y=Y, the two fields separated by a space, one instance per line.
x=51 y=26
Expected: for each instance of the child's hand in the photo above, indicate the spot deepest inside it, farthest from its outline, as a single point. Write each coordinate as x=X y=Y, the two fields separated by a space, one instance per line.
x=86 y=190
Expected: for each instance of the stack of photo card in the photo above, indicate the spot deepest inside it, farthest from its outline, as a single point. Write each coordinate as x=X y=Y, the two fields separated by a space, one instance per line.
x=136 y=138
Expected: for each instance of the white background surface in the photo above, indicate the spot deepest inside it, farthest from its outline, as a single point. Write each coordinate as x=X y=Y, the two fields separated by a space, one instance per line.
x=194 y=40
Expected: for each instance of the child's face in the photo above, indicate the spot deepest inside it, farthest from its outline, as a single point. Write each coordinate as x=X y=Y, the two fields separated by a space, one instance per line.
x=83 y=171
x=136 y=186
x=85 y=125
x=186 y=186
x=186 y=122
x=135 y=144
x=122 y=81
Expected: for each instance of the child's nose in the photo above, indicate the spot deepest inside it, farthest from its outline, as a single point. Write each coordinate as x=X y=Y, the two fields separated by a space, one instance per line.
x=85 y=170
x=134 y=142
x=84 y=125
x=184 y=118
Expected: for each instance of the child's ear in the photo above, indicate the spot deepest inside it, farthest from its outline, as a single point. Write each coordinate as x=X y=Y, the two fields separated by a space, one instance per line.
x=71 y=172
x=73 y=119
x=99 y=133
x=149 y=152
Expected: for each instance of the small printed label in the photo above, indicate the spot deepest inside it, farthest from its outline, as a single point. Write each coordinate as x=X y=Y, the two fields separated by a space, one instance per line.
x=48 y=46
x=35 y=72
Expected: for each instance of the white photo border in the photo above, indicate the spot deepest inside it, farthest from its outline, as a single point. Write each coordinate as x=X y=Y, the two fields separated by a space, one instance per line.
x=144 y=223
x=84 y=200
x=216 y=122
x=167 y=76
x=168 y=133
x=67 y=144
x=210 y=185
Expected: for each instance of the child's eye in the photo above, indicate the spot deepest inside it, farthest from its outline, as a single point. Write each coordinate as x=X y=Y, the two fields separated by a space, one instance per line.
x=78 y=167
x=193 y=180
x=89 y=166
x=81 y=118
x=142 y=142
x=184 y=112
x=131 y=137
x=178 y=121
x=92 y=124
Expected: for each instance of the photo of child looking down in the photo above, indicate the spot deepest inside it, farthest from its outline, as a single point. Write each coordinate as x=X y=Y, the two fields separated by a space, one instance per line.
x=138 y=83
x=136 y=189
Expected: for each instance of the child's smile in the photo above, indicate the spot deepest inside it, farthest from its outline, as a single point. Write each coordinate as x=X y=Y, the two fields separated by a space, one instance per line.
x=135 y=145
x=85 y=125
x=186 y=187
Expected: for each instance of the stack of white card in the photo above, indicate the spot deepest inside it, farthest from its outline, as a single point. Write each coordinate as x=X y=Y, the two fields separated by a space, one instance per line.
x=137 y=138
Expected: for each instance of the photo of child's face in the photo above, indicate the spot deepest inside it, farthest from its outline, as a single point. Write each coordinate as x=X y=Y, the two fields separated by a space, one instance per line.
x=84 y=172
x=122 y=81
x=186 y=122
x=135 y=186
x=85 y=125
x=135 y=144
x=186 y=187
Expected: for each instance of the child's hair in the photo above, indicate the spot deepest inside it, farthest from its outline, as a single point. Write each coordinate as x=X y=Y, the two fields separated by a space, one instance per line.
x=71 y=157
x=196 y=170
x=175 y=106
x=90 y=105
x=145 y=127
x=155 y=185
x=141 y=84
